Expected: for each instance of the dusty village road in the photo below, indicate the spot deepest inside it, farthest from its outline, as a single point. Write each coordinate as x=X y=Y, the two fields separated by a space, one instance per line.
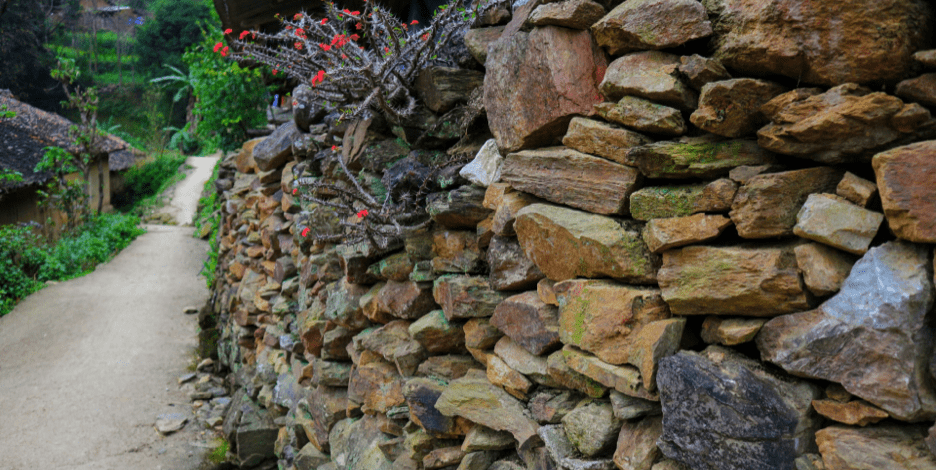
x=87 y=365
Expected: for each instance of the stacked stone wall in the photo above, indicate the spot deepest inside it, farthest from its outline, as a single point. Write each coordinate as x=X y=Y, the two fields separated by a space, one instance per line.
x=697 y=235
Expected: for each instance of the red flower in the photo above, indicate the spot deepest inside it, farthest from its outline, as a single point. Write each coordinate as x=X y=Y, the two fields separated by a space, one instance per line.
x=343 y=56
x=425 y=37
x=224 y=51
x=218 y=46
x=275 y=71
x=305 y=232
x=243 y=34
x=324 y=20
x=318 y=78
x=334 y=148
x=414 y=22
x=386 y=50
x=355 y=13
x=358 y=26
x=347 y=11
x=362 y=214
x=295 y=190
x=301 y=33
x=228 y=31
x=298 y=45
x=325 y=47
x=297 y=16
x=354 y=37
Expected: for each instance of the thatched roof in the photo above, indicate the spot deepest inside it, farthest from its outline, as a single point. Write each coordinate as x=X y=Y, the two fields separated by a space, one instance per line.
x=24 y=136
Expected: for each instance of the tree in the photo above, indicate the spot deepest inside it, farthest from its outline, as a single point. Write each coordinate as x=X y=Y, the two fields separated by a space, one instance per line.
x=26 y=63
x=173 y=29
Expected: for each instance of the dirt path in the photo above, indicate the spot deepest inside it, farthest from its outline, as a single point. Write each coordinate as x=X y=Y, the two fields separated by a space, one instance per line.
x=86 y=365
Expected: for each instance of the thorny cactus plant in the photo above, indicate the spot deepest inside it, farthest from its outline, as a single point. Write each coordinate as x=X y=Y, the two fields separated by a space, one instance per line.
x=357 y=62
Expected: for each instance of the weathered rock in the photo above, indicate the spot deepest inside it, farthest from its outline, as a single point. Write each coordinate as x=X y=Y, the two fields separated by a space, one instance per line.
x=481 y=334
x=601 y=139
x=766 y=206
x=310 y=458
x=319 y=413
x=544 y=288
x=625 y=379
x=536 y=82
x=840 y=125
x=649 y=75
x=473 y=460
x=272 y=152
x=921 y=89
x=828 y=219
x=506 y=213
x=408 y=300
x=377 y=386
x=644 y=116
x=519 y=359
x=396 y=267
x=651 y=24
x=905 y=178
x=510 y=268
x=592 y=427
x=561 y=374
x=474 y=398
x=443 y=457
x=421 y=396
x=806 y=45
x=607 y=319
x=394 y=343
x=627 y=407
x=334 y=343
x=528 y=321
x=663 y=234
x=465 y=296
x=927 y=58
x=565 y=455
x=441 y=88
x=566 y=243
x=931 y=440
x=565 y=176
x=636 y=444
x=485 y=169
x=459 y=208
x=449 y=367
x=356 y=444
x=436 y=334
x=667 y=464
x=731 y=108
x=477 y=41
x=343 y=305
x=574 y=14
x=857 y=412
x=169 y=423
x=657 y=202
x=481 y=438
x=515 y=383
x=758 y=281
x=722 y=410
x=699 y=158
x=881 y=447
x=883 y=301
x=456 y=252
x=730 y=331
x=701 y=70
x=330 y=373
x=551 y=405
x=856 y=189
x=255 y=434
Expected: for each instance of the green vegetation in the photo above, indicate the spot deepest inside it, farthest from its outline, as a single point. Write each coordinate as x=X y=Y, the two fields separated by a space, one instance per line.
x=219 y=454
x=27 y=260
x=146 y=181
x=209 y=220
x=174 y=27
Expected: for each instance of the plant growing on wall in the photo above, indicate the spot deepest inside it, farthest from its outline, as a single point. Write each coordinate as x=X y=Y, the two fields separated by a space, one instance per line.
x=358 y=63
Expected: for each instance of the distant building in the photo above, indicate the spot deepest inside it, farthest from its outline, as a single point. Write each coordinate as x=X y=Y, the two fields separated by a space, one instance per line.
x=22 y=140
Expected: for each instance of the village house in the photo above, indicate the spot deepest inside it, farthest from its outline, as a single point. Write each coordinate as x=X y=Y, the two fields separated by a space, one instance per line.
x=23 y=139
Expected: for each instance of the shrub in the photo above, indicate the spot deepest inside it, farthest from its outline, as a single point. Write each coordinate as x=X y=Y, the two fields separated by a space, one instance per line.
x=229 y=98
x=93 y=243
x=209 y=215
x=149 y=179
x=173 y=28
x=21 y=256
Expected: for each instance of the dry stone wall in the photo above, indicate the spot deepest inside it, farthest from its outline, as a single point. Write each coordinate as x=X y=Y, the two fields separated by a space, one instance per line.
x=698 y=235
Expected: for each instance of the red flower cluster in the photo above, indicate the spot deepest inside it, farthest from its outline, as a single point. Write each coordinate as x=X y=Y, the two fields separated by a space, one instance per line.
x=301 y=33
x=324 y=20
x=297 y=16
x=275 y=71
x=362 y=214
x=340 y=40
x=352 y=13
x=228 y=31
x=305 y=232
x=318 y=78
x=325 y=47
x=224 y=51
